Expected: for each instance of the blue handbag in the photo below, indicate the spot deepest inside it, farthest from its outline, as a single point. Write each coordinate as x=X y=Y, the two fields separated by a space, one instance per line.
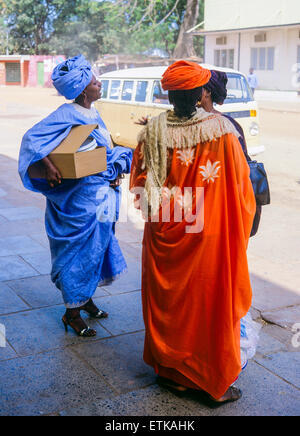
x=261 y=190
x=260 y=183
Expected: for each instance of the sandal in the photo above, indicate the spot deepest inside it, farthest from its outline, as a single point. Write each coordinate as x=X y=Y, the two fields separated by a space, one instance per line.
x=77 y=324
x=93 y=310
x=231 y=395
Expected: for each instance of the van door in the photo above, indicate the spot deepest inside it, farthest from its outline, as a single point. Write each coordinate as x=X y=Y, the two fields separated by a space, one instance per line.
x=109 y=106
x=134 y=106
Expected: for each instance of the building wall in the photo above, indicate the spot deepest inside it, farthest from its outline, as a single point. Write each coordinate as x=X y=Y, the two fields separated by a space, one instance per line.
x=285 y=41
x=49 y=64
x=2 y=73
x=29 y=67
x=236 y=14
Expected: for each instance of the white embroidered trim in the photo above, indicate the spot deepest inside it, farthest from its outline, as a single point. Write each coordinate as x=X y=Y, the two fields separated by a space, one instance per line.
x=87 y=113
x=104 y=282
x=167 y=131
x=92 y=114
x=76 y=305
x=107 y=282
x=187 y=133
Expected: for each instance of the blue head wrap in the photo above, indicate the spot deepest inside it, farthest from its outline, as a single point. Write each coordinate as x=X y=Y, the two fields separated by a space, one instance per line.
x=71 y=77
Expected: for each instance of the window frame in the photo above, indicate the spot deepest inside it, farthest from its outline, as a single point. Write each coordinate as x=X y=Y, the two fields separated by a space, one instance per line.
x=146 y=93
x=108 y=88
x=245 y=87
x=261 y=60
x=120 y=90
x=132 y=91
x=152 y=94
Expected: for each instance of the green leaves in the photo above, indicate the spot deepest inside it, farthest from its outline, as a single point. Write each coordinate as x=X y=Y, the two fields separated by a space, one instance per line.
x=91 y=27
x=32 y=23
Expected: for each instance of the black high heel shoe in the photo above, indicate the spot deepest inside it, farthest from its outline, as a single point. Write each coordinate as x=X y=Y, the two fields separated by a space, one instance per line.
x=77 y=324
x=93 y=310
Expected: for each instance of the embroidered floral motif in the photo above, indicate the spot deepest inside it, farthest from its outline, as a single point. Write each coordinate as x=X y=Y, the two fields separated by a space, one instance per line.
x=186 y=156
x=210 y=171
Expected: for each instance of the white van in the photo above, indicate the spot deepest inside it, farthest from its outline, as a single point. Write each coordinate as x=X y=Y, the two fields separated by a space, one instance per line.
x=128 y=95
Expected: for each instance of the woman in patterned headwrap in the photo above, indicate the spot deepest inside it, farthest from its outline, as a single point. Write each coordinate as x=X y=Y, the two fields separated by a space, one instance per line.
x=80 y=214
x=192 y=182
x=215 y=92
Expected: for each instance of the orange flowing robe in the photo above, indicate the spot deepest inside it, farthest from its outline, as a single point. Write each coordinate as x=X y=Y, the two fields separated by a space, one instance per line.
x=196 y=286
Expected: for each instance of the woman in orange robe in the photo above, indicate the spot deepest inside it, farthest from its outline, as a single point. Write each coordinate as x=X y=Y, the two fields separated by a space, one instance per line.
x=191 y=180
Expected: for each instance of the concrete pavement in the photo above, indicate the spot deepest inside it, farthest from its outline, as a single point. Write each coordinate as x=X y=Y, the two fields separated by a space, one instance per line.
x=44 y=371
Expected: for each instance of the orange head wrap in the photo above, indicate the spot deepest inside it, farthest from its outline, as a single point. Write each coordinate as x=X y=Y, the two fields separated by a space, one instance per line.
x=185 y=75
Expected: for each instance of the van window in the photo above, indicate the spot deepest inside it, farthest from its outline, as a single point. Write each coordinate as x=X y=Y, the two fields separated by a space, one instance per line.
x=104 y=88
x=238 y=90
x=127 y=90
x=159 y=95
x=115 y=90
x=141 y=91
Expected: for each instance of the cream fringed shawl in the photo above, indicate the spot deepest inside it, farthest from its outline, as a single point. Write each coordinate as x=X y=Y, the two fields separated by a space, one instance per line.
x=167 y=131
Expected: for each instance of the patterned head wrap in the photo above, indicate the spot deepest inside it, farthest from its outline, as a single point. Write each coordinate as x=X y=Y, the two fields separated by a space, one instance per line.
x=217 y=86
x=184 y=75
x=71 y=77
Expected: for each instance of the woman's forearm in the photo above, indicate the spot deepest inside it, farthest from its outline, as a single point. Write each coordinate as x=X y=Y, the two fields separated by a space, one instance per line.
x=52 y=173
x=47 y=162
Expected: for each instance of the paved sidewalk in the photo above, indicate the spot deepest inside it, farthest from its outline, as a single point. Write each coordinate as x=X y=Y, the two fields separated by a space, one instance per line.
x=278 y=101
x=44 y=371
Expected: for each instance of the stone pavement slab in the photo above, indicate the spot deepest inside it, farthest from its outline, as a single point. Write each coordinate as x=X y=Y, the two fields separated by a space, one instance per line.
x=126 y=233
x=40 y=261
x=125 y=313
x=41 y=238
x=282 y=335
x=21 y=213
x=285 y=317
x=127 y=282
x=284 y=364
x=45 y=383
x=24 y=227
x=268 y=295
x=41 y=330
x=4 y=204
x=263 y=395
x=119 y=360
x=18 y=245
x=40 y=292
x=14 y=267
x=132 y=251
x=2 y=220
x=7 y=353
x=36 y=291
x=9 y=301
x=268 y=344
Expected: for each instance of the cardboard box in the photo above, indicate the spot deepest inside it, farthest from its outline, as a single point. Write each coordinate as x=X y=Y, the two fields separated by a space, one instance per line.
x=70 y=163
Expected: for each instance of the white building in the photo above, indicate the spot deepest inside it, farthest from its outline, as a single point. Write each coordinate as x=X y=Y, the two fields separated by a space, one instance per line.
x=262 y=34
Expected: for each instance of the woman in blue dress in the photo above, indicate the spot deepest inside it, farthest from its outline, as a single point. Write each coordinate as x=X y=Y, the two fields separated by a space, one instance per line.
x=80 y=214
x=215 y=92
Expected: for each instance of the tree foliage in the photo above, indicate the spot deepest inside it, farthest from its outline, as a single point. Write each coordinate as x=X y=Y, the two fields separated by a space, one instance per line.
x=94 y=27
x=84 y=32
x=32 y=23
x=145 y=24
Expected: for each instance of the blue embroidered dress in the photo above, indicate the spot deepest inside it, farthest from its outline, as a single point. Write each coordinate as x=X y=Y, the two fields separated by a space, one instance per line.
x=80 y=214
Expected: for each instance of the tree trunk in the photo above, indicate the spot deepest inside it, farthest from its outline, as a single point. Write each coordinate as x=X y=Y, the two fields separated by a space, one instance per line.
x=185 y=42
